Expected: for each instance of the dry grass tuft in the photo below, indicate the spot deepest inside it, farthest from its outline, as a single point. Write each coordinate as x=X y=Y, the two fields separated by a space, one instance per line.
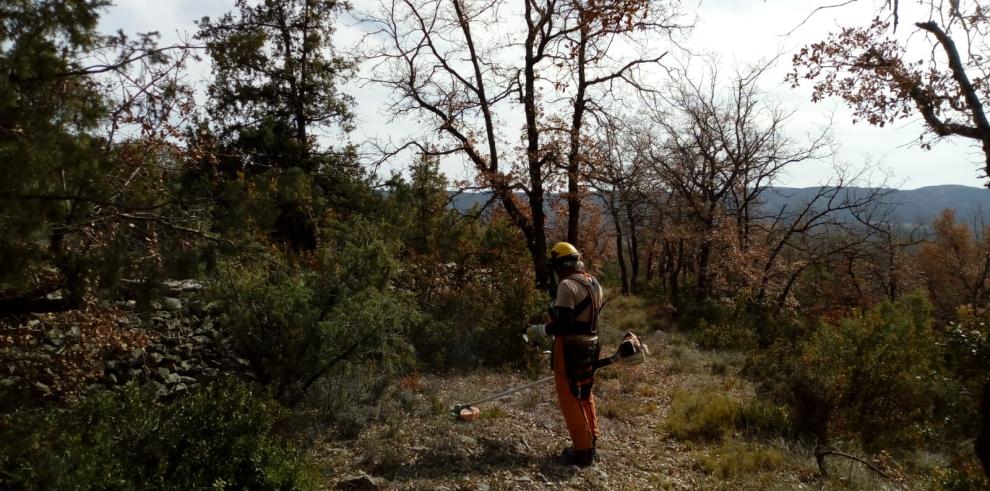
x=625 y=409
x=734 y=460
x=702 y=417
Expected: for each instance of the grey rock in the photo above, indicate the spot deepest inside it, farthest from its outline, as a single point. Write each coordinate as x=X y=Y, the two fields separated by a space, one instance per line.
x=43 y=388
x=183 y=285
x=361 y=481
x=172 y=304
x=74 y=333
x=163 y=374
x=160 y=390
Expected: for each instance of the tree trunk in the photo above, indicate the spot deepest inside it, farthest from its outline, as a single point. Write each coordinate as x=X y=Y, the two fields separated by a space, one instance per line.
x=649 y=264
x=633 y=248
x=537 y=242
x=538 y=249
x=675 y=286
x=574 y=153
x=620 y=255
x=704 y=269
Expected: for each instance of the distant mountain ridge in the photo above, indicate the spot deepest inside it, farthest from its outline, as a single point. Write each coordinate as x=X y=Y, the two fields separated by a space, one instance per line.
x=910 y=207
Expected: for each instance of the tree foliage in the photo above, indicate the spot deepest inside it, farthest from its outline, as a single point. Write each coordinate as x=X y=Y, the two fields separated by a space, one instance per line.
x=878 y=77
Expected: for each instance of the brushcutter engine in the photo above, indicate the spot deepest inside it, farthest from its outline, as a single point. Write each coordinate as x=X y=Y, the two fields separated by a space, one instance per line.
x=632 y=351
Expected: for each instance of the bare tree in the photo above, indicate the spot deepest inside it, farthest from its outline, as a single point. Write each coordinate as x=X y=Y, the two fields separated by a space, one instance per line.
x=447 y=62
x=823 y=226
x=610 y=179
x=719 y=151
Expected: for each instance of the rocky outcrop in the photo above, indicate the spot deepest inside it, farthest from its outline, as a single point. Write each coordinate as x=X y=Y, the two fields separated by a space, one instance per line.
x=170 y=350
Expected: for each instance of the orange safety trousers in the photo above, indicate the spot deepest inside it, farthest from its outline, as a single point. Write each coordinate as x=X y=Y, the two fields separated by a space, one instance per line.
x=582 y=422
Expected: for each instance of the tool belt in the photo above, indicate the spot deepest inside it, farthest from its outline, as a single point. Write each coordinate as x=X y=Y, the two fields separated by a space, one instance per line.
x=580 y=355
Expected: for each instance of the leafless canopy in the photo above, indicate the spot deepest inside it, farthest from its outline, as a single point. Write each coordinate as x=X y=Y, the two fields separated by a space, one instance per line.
x=471 y=70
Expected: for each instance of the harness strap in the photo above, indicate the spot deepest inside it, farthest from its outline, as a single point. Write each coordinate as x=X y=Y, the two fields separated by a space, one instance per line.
x=589 y=301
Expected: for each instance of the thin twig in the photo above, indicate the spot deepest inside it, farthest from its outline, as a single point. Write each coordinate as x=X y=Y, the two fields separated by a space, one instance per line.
x=813 y=12
x=820 y=455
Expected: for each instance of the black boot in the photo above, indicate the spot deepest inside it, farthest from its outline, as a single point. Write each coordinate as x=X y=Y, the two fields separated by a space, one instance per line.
x=580 y=458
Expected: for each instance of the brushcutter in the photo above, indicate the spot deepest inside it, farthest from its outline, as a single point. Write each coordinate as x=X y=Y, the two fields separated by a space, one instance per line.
x=631 y=352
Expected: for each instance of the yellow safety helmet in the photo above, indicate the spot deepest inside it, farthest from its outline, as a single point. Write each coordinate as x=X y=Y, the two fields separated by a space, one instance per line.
x=561 y=250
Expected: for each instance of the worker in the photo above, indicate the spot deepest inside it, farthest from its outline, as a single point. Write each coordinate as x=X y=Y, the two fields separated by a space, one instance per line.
x=574 y=325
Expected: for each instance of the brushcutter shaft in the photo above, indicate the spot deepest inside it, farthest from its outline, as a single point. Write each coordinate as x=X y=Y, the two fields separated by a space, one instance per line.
x=631 y=352
x=509 y=392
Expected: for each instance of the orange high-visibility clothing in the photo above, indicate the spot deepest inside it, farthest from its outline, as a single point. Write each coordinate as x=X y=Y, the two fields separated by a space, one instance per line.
x=582 y=422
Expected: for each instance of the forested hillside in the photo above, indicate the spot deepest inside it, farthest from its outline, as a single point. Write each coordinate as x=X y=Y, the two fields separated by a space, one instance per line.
x=909 y=208
x=207 y=279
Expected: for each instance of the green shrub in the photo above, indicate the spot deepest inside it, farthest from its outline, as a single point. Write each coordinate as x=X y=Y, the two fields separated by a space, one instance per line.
x=352 y=397
x=702 y=417
x=471 y=278
x=477 y=307
x=728 y=334
x=963 y=475
x=693 y=314
x=738 y=460
x=296 y=325
x=764 y=419
x=218 y=436
x=868 y=377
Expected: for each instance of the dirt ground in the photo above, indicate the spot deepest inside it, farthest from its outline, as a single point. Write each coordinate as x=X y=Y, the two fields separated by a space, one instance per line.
x=516 y=440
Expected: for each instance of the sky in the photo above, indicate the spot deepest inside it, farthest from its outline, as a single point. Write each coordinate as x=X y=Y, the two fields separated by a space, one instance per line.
x=737 y=32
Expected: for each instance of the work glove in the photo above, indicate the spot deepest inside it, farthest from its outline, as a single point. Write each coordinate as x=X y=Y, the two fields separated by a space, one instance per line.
x=535 y=332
